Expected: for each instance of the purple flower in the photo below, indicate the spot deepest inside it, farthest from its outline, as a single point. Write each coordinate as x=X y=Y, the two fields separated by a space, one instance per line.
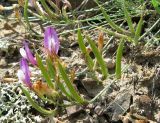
x=51 y=41
x=24 y=73
x=26 y=53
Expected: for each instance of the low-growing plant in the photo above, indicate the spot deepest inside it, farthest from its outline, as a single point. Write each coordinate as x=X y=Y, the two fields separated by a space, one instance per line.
x=133 y=34
x=58 y=85
x=45 y=10
x=91 y=63
x=97 y=53
x=52 y=69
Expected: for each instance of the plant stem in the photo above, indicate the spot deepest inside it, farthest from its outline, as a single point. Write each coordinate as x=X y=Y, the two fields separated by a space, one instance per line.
x=149 y=30
x=118 y=35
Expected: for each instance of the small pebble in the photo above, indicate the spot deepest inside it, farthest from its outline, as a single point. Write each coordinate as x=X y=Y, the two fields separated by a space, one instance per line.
x=110 y=63
x=90 y=106
x=95 y=118
x=98 y=110
x=3 y=62
x=73 y=110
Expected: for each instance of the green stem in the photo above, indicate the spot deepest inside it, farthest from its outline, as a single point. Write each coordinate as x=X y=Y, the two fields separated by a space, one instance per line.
x=118 y=35
x=111 y=23
x=48 y=10
x=72 y=90
x=35 y=105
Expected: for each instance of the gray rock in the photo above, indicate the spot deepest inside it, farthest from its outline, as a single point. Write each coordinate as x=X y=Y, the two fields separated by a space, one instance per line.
x=92 y=90
x=118 y=106
x=73 y=110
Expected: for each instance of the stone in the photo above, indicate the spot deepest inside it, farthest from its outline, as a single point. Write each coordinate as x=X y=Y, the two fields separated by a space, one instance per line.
x=3 y=62
x=92 y=87
x=98 y=110
x=118 y=106
x=144 y=103
x=73 y=110
x=110 y=63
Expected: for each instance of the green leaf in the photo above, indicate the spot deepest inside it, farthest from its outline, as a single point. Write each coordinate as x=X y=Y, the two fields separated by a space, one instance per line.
x=44 y=71
x=26 y=13
x=51 y=68
x=156 y=5
x=35 y=105
x=64 y=13
x=53 y=5
x=138 y=30
x=99 y=58
x=63 y=89
x=52 y=73
x=39 y=10
x=81 y=42
x=82 y=46
x=72 y=90
x=48 y=10
x=110 y=22
x=26 y=16
x=128 y=18
x=119 y=58
x=89 y=61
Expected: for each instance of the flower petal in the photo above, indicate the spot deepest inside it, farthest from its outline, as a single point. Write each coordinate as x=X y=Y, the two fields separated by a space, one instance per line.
x=23 y=53
x=51 y=41
x=29 y=54
x=25 y=69
x=21 y=75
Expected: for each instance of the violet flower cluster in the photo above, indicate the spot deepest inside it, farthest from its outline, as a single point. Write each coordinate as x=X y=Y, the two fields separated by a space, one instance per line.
x=51 y=45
